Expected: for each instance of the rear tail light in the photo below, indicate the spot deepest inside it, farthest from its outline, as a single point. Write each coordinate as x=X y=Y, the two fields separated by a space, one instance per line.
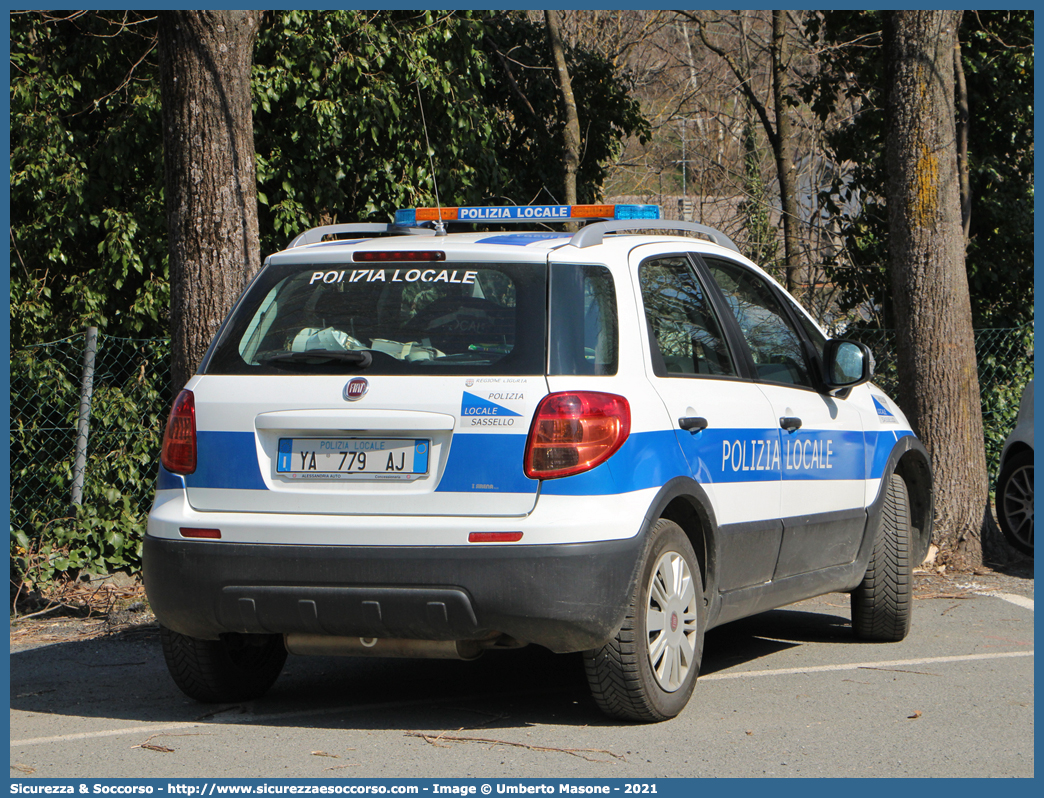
x=574 y=432
x=179 y=439
x=425 y=256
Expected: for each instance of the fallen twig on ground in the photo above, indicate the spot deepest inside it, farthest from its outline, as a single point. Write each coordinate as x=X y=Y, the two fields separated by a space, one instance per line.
x=436 y=739
x=148 y=746
x=52 y=608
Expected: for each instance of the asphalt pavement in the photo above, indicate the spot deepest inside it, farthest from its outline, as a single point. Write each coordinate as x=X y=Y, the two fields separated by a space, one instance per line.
x=789 y=693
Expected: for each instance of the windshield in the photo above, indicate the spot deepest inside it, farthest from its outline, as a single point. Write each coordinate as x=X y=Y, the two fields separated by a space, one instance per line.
x=452 y=318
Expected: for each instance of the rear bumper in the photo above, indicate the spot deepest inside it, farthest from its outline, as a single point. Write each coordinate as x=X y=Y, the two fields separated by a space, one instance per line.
x=566 y=597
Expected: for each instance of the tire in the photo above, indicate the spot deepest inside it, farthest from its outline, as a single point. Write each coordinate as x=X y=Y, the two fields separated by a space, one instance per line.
x=647 y=674
x=232 y=668
x=1015 y=501
x=883 y=602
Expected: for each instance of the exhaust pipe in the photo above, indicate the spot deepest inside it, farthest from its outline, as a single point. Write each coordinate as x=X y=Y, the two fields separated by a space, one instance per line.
x=328 y=645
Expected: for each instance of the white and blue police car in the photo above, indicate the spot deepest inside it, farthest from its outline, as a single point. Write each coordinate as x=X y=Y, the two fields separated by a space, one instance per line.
x=408 y=442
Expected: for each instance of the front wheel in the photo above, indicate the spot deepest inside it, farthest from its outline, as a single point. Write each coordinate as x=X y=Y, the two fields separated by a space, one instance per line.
x=1015 y=501
x=647 y=672
x=883 y=602
x=234 y=667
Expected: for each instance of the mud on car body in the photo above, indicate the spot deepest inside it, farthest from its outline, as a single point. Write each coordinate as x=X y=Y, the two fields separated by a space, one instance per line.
x=404 y=442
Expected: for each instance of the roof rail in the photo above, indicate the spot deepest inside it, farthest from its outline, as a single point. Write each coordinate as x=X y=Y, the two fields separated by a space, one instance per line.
x=592 y=234
x=366 y=230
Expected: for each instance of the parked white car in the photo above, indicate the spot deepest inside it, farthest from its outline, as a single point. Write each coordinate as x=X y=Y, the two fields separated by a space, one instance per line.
x=1014 y=496
x=404 y=442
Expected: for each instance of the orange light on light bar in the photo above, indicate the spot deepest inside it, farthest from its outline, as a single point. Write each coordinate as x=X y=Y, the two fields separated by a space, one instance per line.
x=434 y=214
x=592 y=211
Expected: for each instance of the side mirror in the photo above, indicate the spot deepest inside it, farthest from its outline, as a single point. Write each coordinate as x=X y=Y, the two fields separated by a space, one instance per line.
x=847 y=364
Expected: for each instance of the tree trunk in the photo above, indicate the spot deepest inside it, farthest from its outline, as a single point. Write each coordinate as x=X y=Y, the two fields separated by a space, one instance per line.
x=938 y=381
x=211 y=191
x=571 y=132
x=784 y=147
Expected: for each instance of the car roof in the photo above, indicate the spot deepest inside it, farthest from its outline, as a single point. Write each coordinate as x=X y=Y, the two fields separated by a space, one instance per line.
x=513 y=245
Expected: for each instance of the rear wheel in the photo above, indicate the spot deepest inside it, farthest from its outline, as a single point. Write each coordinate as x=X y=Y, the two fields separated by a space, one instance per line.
x=882 y=604
x=648 y=670
x=235 y=667
x=1015 y=501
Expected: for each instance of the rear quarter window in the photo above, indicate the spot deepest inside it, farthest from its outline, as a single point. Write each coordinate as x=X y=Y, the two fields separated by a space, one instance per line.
x=584 y=324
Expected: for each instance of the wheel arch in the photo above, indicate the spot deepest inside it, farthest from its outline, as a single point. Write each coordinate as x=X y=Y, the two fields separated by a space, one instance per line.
x=1013 y=496
x=910 y=460
x=683 y=501
x=1014 y=449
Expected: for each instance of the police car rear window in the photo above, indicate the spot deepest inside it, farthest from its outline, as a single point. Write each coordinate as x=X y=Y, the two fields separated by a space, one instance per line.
x=409 y=318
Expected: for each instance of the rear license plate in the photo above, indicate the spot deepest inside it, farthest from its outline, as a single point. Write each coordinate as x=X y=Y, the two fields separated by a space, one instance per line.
x=353 y=458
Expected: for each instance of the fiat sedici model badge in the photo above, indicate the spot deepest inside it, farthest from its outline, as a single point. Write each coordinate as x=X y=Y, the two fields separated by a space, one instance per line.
x=356 y=389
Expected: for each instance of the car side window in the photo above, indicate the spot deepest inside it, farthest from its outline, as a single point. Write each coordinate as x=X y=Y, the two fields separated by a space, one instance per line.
x=682 y=323
x=775 y=344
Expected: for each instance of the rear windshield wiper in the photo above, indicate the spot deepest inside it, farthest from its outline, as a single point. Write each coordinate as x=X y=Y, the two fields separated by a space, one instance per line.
x=360 y=358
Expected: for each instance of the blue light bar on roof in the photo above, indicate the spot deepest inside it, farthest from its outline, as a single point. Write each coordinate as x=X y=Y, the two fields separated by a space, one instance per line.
x=637 y=212
x=513 y=214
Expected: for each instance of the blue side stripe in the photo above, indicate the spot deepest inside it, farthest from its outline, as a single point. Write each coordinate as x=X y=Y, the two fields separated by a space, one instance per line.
x=650 y=459
x=754 y=455
x=879 y=445
x=226 y=460
x=730 y=455
x=821 y=455
x=646 y=460
x=481 y=463
x=165 y=480
x=486 y=463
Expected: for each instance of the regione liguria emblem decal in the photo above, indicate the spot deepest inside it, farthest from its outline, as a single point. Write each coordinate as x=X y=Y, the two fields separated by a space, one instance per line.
x=356 y=389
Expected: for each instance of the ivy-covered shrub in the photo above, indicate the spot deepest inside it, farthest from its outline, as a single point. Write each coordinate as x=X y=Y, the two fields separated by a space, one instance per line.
x=49 y=535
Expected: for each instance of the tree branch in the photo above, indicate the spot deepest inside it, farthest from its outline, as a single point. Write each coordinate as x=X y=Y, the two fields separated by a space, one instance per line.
x=743 y=79
x=515 y=88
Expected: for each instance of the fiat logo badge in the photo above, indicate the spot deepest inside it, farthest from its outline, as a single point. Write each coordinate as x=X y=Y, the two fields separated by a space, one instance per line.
x=356 y=389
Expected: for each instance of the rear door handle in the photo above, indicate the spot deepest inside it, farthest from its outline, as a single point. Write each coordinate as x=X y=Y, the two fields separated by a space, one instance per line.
x=693 y=423
x=790 y=423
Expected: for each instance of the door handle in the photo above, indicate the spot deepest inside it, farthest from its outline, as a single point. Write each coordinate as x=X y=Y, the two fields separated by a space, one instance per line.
x=693 y=423
x=790 y=423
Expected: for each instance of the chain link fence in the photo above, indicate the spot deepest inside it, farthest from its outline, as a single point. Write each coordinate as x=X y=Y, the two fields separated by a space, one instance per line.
x=1005 y=360
x=128 y=406
x=127 y=396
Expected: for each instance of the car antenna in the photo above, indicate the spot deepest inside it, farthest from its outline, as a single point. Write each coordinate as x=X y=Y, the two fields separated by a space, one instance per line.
x=440 y=228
